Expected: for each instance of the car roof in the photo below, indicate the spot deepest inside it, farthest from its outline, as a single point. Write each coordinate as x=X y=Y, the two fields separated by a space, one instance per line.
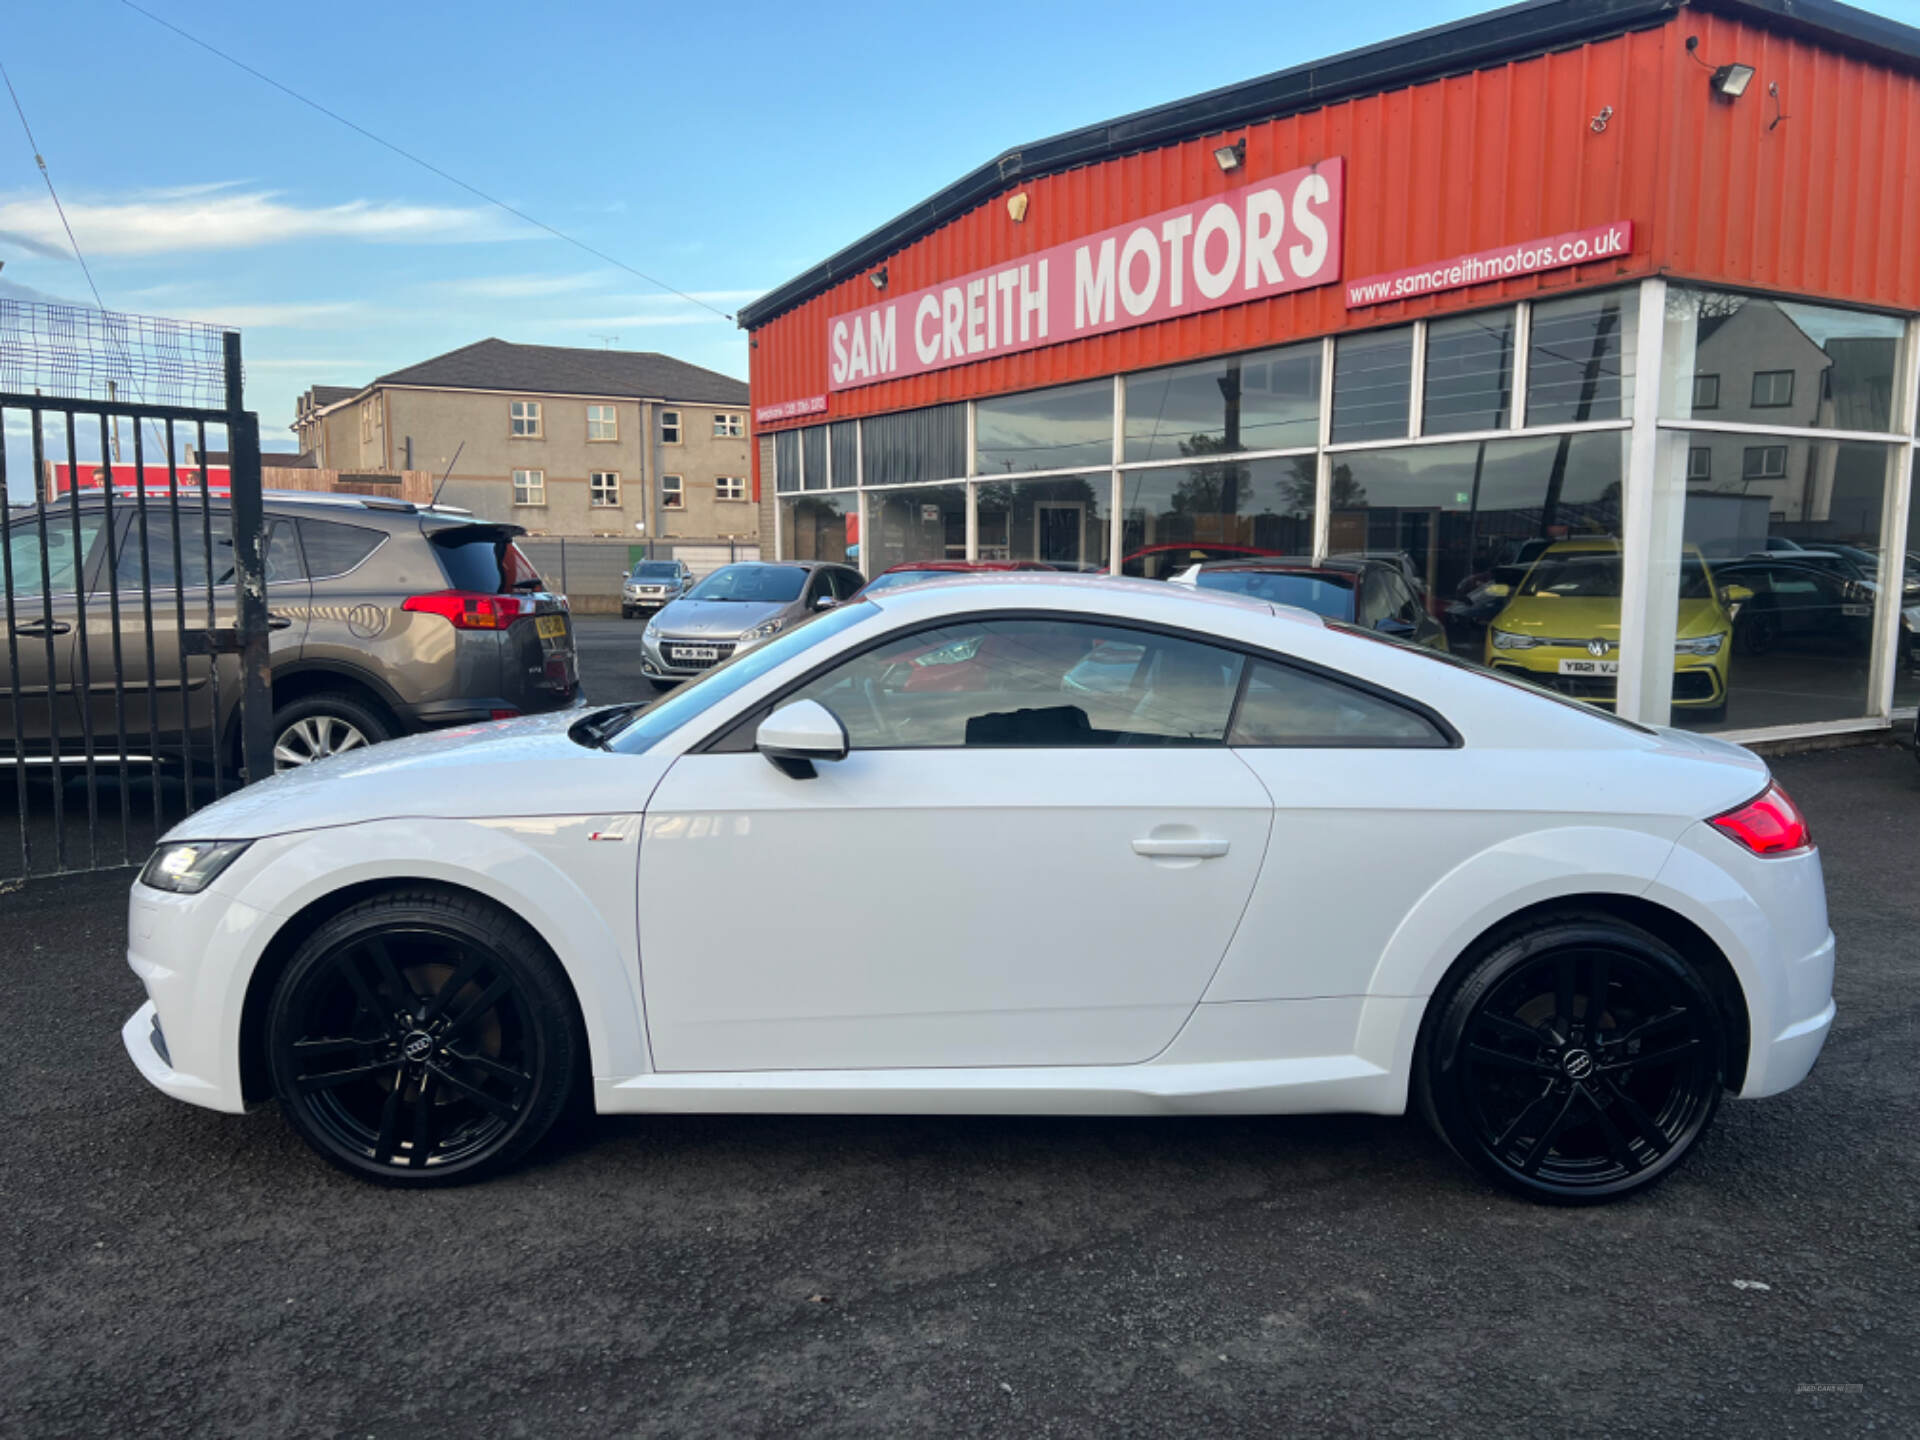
x=1299 y=565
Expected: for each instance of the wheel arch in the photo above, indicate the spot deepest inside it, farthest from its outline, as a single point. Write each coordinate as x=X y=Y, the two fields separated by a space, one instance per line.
x=302 y=678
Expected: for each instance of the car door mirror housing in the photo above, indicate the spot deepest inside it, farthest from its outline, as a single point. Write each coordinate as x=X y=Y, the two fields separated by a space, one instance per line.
x=1735 y=594
x=825 y=602
x=795 y=736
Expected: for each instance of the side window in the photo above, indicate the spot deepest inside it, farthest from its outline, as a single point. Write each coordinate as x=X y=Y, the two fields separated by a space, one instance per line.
x=1376 y=600
x=1031 y=683
x=844 y=582
x=161 y=571
x=283 y=554
x=62 y=557
x=1409 y=607
x=1284 y=706
x=334 y=549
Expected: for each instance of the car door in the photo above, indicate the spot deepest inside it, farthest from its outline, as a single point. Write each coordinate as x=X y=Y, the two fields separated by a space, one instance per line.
x=46 y=566
x=1034 y=853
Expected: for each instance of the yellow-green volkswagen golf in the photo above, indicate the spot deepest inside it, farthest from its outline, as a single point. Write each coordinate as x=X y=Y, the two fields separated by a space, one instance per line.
x=1561 y=628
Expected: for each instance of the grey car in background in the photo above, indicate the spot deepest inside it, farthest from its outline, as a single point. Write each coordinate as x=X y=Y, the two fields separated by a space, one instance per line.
x=652 y=584
x=735 y=607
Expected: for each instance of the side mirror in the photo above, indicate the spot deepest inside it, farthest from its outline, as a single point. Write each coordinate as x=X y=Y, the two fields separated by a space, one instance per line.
x=1499 y=591
x=825 y=602
x=795 y=736
x=1735 y=594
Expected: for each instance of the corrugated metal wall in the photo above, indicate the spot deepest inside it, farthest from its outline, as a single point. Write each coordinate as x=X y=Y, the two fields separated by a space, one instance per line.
x=1823 y=204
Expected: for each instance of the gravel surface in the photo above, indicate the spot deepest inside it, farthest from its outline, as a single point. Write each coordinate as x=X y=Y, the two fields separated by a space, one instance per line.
x=168 y=1271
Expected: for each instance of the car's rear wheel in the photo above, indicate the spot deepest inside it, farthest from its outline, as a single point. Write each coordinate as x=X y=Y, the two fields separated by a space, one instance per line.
x=316 y=726
x=422 y=1038
x=1575 y=1061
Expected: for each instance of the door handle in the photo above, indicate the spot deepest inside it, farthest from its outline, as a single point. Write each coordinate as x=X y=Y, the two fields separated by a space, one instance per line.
x=1202 y=847
x=42 y=627
x=279 y=622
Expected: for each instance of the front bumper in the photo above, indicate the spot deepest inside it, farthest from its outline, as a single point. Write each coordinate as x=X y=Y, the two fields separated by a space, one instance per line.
x=661 y=657
x=1699 y=681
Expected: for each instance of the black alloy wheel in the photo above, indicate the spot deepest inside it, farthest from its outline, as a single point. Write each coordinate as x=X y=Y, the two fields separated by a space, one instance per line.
x=422 y=1038
x=1576 y=1062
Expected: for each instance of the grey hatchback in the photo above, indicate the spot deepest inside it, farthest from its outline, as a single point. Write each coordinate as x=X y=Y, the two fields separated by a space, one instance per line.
x=384 y=618
x=735 y=607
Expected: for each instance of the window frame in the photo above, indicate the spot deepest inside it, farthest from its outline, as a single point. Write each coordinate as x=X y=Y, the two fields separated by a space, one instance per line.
x=735 y=735
x=538 y=487
x=535 y=416
x=673 y=496
x=1770 y=376
x=1698 y=403
x=738 y=481
x=612 y=422
x=1762 y=475
x=595 y=490
x=674 y=425
x=729 y=425
x=1705 y=472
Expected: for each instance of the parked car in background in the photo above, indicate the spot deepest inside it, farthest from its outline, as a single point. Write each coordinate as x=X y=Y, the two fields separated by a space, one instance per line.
x=1791 y=601
x=1560 y=627
x=1163 y=561
x=384 y=618
x=652 y=584
x=735 y=608
x=1371 y=593
x=1258 y=863
x=913 y=571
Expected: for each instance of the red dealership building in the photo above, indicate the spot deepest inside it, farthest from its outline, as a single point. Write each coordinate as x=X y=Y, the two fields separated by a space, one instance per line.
x=1614 y=302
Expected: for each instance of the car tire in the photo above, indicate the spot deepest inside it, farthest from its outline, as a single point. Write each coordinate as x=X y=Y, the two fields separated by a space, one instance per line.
x=423 y=1038
x=328 y=723
x=1757 y=631
x=662 y=685
x=1554 y=1107
x=626 y=613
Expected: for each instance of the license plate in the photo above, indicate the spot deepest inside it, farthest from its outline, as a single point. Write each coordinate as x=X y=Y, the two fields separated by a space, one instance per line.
x=1856 y=611
x=550 y=627
x=1589 y=667
x=695 y=652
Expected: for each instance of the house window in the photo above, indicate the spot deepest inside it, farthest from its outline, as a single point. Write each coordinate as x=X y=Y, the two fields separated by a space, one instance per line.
x=673 y=495
x=669 y=427
x=1764 y=462
x=529 y=487
x=601 y=423
x=369 y=414
x=1706 y=392
x=1699 y=463
x=730 y=487
x=1772 y=389
x=525 y=415
x=604 y=489
x=729 y=427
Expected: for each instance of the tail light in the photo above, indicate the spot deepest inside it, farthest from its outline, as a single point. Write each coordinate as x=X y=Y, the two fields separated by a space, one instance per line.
x=1770 y=824
x=469 y=610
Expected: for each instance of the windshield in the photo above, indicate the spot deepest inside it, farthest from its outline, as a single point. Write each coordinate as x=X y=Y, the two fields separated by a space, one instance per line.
x=1597 y=577
x=755 y=584
x=656 y=570
x=663 y=717
x=1331 y=596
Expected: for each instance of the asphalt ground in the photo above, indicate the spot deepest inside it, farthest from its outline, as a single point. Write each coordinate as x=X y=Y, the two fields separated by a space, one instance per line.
x=170 y=1271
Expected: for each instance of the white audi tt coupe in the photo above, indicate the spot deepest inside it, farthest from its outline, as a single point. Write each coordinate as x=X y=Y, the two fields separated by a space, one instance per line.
x=1006 y=844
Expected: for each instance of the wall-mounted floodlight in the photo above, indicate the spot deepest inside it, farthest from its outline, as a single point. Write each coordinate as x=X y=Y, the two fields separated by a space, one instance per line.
x=1730 y=81
x=1231 y=157
x=879 y=278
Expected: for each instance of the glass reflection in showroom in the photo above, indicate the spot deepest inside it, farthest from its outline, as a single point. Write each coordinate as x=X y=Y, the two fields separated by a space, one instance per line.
x=1060 y=429
x=1580 y=359
x=820 y=527
x=1756 y=361
x=1470 y=523
x=1781 y=571
x=1060 y=522
x=1180 y=515
x=1264 y=401
x=1906 y=673
x=927 y=523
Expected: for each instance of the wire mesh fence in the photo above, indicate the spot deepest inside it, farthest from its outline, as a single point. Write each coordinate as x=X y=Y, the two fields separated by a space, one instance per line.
x=70 y=352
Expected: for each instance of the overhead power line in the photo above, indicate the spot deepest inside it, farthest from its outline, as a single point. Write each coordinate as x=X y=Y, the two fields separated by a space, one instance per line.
x=426 y=165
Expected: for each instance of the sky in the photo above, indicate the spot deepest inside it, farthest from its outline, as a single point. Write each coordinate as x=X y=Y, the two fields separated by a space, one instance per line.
x=721 y=152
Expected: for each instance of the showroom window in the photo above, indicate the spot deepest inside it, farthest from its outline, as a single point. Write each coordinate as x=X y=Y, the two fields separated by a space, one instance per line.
x=1174 y=516
x=916 y=523
x=1061 y=429
x=817 y=527
x=786 y=460
x=1269 y=400
x=813 y=458
x=1469 y=381
x=843 y=454
x=1062 y=522
x=912 y=447
x=1580 y=357
x=1372 y=385
x=1906 y=658
x=1032 y=683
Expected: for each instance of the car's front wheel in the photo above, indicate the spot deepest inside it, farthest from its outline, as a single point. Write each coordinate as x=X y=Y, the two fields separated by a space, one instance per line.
x=1576 y=1060
x=422 y=1037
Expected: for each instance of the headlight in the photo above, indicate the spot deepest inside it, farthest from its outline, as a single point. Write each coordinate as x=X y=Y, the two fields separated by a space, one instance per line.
x=1507 y=640
x=1704 y=645
x=652 y=632
x=188 y=866
x=763 y=630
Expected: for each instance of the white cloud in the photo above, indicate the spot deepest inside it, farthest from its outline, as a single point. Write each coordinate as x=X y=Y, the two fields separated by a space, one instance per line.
x=203 y=218
x=513 y=287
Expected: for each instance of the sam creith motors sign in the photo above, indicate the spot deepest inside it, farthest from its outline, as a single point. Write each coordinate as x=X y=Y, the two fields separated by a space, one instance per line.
x=1268 y=238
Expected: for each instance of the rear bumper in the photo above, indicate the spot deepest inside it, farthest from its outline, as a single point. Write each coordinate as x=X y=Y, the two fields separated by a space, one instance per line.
x=435 y=714
x=1782 y=1059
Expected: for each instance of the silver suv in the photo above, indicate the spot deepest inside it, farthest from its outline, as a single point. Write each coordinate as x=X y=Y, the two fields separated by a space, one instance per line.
x=652 y=584
x=384 y=618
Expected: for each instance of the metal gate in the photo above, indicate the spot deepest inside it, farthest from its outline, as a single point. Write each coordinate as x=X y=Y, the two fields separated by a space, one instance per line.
x=136 y=619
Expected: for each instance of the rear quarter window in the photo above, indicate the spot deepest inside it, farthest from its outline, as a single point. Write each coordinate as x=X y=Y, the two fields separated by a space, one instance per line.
x=485 y=563
x=334 y=549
